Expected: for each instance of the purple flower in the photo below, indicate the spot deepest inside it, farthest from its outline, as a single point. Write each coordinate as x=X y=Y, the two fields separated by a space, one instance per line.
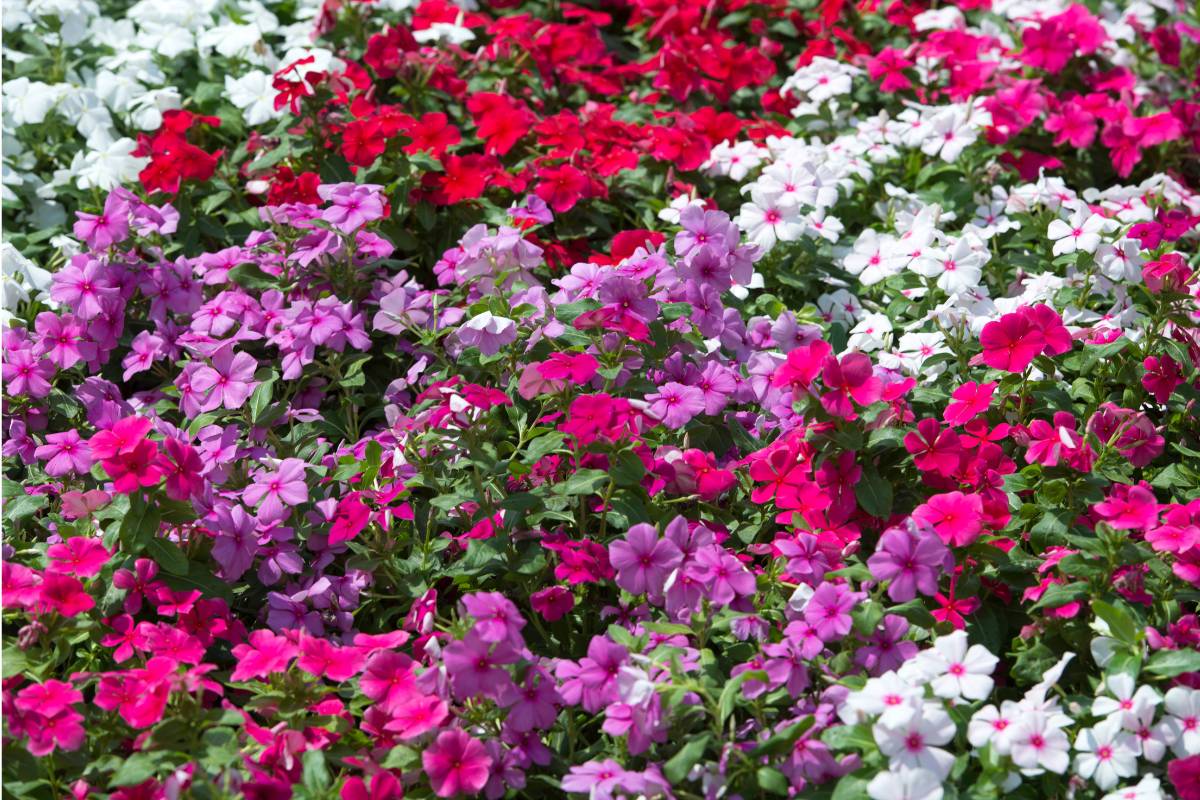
x=675 y=404
x=701 y=227
x=351 y=206
x=887 y=648
x=828 y=611
x=272 y=490
x=496 y=618
x=488 y=332
x=102 y=231
x=229 y=381
x=628 y=296
x=705 y=265
x=724 y=577
x=643 y=560
x=66 y=452
x=784 y=666
x=532 y=705
x=144 y=351
x=593 y=681
x=717 y=384
x=236 y=541
x=594 y=778
x=912 y=559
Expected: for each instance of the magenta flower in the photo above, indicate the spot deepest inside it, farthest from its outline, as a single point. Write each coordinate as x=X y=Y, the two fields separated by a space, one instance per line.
x=477 y=667
x=81 y=286
x=828 y=610
x=456 y=764
x=102 y=231
x=26 y=374
x=675 y=404
x=533 y=704
x=957 y=517
x=182 y=467
x=912 y=559
x=643 y=560
x=388 y=678
x=65 y=453
x=229 y=381
x=63 y=339
x=496 y=618
x=271 y=491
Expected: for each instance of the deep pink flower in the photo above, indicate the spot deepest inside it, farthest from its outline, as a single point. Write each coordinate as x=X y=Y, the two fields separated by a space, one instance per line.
x=553 y=602
x=969 y=401
x=956 y=517
x=264 y=654
x=456 y=764
x=851 y=377
x=349 y=519
x=933 y=448
x=183 y=468
x=388 y=678
x=323 y=659
x=1129 y=507
x=1162 y=377
x=65 y=594
x=416 y=714
x=1011 y=343
x=78 y=556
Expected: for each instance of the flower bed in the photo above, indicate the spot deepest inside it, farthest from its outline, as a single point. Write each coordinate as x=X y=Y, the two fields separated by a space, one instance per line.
x=636 y=399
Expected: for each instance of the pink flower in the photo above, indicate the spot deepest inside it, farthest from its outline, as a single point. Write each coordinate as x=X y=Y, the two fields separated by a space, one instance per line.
x=969 y=401
x=265 y=654
x=229 y=382
x=456 y=764
x=78 y=556
x=496 y=618
x=477 y=667
x=65 y=453
x=417 y=714
x=272 y=490
x=129 y=458
x=573 y=367
x=1129 y=507
x=643 y=560
x=183 y=467
x=26 y=374
x=1011 y=343
x=956 y=517
x=724 y=577
x=388 y=678
x=325 y=660
x=63 y=339
x=912 y=559
x=803 y=365
x=65 y=594
x=553 y=602
x=675 y=404
x=852 y=377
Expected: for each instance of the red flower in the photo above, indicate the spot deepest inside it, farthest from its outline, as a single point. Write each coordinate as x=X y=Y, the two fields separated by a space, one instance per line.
x=501 y=121
x=561 y=187
x=465 y=178
x=433 y=134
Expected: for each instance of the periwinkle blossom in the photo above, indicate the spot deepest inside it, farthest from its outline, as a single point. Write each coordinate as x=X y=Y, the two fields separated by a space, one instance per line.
x=912 y=558
x=488 y=332
x=643 y=560
x=273 y=489
x=351 y=205
x=228 y=381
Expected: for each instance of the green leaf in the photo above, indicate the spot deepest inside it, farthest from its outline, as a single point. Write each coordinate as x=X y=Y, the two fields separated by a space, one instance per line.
x=874 y=493
x=167 y=555
x=1120 y=624
x=316 y=774
x=251 y=276
x=139 y=526
x=677 y=768
x=782 y=741
x=23 y=506
x=136 y=769
x=732 y=690
x=1059 y=595
x=260 y=401
x=628 y=469
x=585 y=481
x=772 y=780
x=1169 y=663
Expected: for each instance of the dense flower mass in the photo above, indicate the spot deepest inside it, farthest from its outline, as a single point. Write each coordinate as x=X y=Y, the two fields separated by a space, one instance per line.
x=634 y=399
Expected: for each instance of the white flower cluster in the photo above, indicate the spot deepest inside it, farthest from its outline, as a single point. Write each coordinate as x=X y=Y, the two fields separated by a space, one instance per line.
x=114 y=77
x=908 y=711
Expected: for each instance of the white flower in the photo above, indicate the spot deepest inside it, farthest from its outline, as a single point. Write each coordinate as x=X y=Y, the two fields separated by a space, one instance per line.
x=958 y=670
x=444 y=32
x=28 y=102
x=1148 y=788
x=994 y=725
x=108 y=167
x=734 y=160
x=821 y=80
x=822 y=225
x=677 y=205
x=914 y=743
x=1106 y=754
x=870 y=258
x=254 y=95
x=1080 y=232
x=962 y=266
x=770 y=217
x=948 y=134
x=905 y=784
x=913 y=350
x=1120 y=261
x=869 y=333
x=1153 y=740
x=801 y=182
x=839 y=306
x=1183 y=706
x=1127 y=700
x=890 y=697
x=1035 y=744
